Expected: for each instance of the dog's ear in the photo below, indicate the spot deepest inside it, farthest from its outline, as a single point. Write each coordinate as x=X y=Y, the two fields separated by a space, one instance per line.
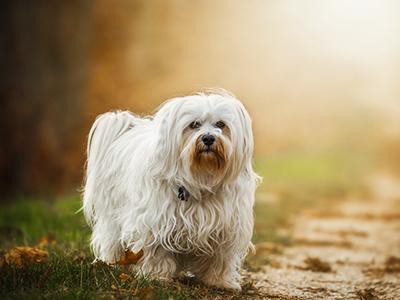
x=245 y=143
x=167 y=138
x=243 y=136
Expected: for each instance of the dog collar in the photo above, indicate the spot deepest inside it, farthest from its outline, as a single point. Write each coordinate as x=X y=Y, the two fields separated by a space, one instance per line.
x=183 y=194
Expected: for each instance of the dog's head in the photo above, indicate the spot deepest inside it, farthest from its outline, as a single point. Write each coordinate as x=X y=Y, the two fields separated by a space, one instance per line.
x=204 y=139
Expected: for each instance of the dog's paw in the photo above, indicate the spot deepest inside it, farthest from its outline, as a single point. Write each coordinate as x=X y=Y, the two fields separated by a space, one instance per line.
x=230 y=285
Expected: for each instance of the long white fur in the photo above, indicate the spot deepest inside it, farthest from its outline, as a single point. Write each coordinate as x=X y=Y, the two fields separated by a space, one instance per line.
x=134 y=167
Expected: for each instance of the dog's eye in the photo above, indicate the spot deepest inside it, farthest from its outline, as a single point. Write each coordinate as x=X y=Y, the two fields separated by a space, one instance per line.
x=220 y=124
x=195 y=125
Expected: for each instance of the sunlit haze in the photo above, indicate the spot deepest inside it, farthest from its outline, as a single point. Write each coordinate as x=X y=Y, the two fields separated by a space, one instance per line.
x=306 y=70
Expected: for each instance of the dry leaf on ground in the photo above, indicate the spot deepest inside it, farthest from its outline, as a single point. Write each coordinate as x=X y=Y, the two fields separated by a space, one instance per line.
x=21 y=256
x=130 y=258
x=124 y=277
x=46 y=240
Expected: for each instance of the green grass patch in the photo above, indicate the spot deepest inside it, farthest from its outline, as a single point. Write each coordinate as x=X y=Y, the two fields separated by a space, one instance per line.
x=344 y=170
x=68 y=271
x=26 y=221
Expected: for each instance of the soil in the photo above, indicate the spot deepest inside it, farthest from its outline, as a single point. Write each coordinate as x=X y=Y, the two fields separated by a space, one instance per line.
x=348 y=250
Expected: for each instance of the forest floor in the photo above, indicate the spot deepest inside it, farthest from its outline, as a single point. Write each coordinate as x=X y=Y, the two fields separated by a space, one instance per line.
x=345 y=250
x=322 y=231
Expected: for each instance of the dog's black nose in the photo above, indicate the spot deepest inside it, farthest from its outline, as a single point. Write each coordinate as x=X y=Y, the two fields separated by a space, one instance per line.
x=208 y=139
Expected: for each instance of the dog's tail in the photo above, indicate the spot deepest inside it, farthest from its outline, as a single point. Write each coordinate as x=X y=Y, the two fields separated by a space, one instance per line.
x=106 y=129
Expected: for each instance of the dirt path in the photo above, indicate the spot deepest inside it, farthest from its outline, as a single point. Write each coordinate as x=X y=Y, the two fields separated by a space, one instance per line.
x=351 y=251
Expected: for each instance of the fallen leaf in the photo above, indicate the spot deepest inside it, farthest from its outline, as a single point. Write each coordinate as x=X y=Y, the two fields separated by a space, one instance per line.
x=124 y=277
x=21 y=256
x=130 y=258
x=46 y=240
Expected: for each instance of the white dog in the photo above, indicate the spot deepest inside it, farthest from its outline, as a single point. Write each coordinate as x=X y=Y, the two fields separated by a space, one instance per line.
x=179 y=186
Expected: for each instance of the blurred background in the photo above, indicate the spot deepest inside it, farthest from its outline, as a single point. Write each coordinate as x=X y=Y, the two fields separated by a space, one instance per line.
x=320 y=79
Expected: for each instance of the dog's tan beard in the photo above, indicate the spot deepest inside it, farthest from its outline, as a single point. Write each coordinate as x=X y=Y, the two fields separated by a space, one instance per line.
x=211 y=163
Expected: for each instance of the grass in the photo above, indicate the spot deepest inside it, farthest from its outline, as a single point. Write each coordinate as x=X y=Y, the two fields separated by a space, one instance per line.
x=327 y=170
x=69 y=271
x=295 y=181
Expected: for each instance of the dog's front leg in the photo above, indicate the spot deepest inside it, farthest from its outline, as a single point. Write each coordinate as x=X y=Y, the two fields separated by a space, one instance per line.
x=158 y=263
x=221 y=270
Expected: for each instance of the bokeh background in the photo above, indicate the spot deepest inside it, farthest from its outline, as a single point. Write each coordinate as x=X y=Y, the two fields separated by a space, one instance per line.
x=320 y=79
